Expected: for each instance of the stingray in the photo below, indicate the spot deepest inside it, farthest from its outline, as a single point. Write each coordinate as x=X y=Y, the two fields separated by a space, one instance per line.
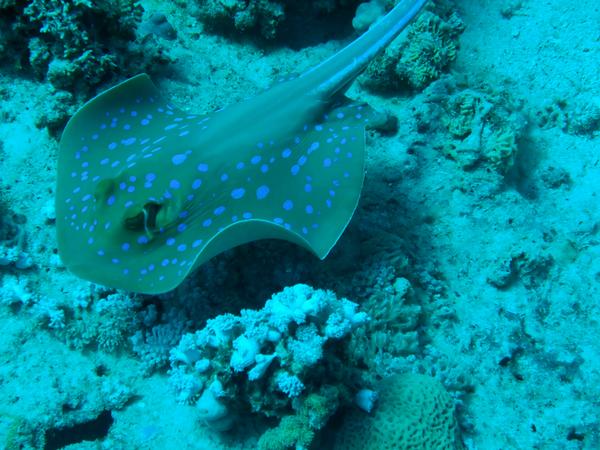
x=147 y=192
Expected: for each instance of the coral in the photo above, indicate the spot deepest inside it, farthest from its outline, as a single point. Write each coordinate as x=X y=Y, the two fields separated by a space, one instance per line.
x=366 y=14
x=421 y=56
x=288 y=360
x=153 y=345
x=392 y=331
x=242 y=16
x=292 y=432
x=482 y=127
x=552 y=114
x=259 y=17
x=579 y=116
x=555 y=177
x=105 y=322
x=60 y=107
x=15 y=291
x=54 y=39
x=414 y=411
x=13 y=241
x=584 y=118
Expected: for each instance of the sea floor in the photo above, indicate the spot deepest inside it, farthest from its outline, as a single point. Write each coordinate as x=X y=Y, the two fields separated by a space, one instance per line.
x=509 y=258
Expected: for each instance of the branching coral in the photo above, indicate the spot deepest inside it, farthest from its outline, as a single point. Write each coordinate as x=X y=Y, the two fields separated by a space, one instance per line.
x=287 y=361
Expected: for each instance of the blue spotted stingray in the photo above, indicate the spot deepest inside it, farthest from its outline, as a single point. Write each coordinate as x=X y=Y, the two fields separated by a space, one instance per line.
x=147 y=192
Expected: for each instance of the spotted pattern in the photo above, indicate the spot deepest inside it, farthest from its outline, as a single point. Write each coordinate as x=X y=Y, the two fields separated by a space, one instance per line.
x=139 y=202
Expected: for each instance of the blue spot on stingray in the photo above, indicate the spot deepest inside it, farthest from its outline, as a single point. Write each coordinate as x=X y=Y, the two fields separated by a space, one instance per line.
x=327 y=162
x=288 y=204
x=278 y=220
x=181 y=227
x=171 y=241
x=164 y=262
x=178 y=159
x=255 y=159
x=264 y=168
x=125 y=246
x=181 y=247
x=238 y=193
x=286 y=153
x=307 y=187
x=207 y=223
x=202 y=167
x=111 y=200
x=196 y=243
x=309 y=209
x=128 y=141
x=174 y=184
x=240 y=165
x=262 y=192
x=247 y=215
x=295 y=169
x=196 y=184
x=219 y=210
x=224 y=177
x=302 y=160
x=150 y=177
x=112 y=145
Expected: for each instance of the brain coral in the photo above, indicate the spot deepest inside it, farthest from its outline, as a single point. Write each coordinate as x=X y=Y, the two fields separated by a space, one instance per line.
x=414 y=412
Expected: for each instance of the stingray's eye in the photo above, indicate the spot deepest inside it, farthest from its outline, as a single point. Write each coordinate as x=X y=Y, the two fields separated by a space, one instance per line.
x=145 y=220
